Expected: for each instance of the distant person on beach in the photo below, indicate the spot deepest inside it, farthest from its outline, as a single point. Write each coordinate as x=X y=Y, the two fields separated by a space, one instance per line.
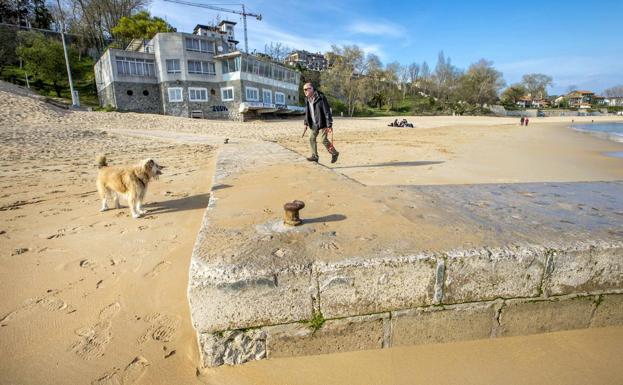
x=522 y=120
x=318 y=119
x=526 y=121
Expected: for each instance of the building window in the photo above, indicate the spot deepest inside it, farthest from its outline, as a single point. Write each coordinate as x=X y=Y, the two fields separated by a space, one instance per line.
x=173 y=66
x=197 y=94
x=267 y=96
x=231 y=65
x=280 y=98
x=130 y=92
x=252 y=94
x=135 y=67
x=269 y=70
x=200 y=45
x=175 y=94
x=227 y=94
x=201 y=67
x=145 y=92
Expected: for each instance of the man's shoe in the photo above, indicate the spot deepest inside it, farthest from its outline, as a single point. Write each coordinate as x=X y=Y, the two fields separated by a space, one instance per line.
x=334 y=157
x=312 y=159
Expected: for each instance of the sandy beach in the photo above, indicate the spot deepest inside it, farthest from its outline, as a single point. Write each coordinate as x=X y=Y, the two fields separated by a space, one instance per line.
x=100 y=298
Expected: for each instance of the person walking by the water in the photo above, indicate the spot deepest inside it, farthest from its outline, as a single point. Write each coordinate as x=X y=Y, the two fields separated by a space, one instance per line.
x=526 y=121
x=521 y=121
x=318 y=118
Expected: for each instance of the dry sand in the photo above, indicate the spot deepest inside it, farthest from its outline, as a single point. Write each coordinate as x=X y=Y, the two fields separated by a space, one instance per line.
x=100 y=298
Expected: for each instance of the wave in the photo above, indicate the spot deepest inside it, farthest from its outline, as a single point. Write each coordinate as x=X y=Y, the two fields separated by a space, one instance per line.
x=610 y=131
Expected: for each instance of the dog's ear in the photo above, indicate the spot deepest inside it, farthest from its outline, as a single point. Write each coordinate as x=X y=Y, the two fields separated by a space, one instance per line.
x=148 y=164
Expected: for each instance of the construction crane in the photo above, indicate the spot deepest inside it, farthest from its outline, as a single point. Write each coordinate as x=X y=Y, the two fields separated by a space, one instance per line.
x=244 y=14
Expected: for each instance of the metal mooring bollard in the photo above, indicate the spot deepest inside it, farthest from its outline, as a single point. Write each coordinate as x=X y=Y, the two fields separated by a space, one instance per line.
x=292 y=213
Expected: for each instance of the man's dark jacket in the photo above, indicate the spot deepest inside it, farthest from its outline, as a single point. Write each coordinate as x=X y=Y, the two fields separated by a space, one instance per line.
x=322 y=112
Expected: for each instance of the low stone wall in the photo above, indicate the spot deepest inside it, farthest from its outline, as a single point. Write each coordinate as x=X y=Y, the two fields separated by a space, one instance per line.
x=138 y=97
x=363 y=304
x=259 y=290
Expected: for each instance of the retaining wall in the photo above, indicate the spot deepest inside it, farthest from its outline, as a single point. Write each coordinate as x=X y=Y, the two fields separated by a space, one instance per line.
x=264 y=293
x=359 y=304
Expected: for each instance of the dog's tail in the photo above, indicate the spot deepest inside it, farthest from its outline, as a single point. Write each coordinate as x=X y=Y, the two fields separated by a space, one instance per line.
x=101 y=161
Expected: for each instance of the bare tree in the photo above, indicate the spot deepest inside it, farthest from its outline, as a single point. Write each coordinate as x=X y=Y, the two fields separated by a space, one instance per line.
x=414 y=74
x=614 y=92
x=425 y=81
x=481 y=83
x=97 y=18
x=404 y=75
x=537 y=84
x=277 y=51
x=371 y=81
x=445 y=78
x=391 y=80
x=343 y=81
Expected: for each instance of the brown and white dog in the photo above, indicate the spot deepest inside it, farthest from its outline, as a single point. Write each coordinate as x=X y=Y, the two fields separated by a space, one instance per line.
x=130 y=180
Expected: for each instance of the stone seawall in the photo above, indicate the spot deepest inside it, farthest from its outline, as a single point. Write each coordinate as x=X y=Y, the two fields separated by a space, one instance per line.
x=361 y=304
x=259 y=289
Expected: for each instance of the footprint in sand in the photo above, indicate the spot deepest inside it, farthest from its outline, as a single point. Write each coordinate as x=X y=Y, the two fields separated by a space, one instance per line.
x=48 y=303
x=159 y=268
x=132 y=373
x=162 y=328
x=93 y=339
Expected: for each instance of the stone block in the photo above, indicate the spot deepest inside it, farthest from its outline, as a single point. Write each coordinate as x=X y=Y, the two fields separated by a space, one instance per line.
x=354 y=333
x=232 y=347
x=358 y=287
x=481 y=275
x=442 y=324
x=585 y=268
x=226 y=299
x=609 y=311
x=523 y=317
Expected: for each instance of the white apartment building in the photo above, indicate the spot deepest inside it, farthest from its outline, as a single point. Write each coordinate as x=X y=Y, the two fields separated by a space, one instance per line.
x=200 y=75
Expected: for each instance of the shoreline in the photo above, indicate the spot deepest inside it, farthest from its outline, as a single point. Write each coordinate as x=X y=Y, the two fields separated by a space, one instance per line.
x=611 y=136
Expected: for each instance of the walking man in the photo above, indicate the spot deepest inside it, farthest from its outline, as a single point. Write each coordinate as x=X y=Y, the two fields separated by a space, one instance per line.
x=319 y=119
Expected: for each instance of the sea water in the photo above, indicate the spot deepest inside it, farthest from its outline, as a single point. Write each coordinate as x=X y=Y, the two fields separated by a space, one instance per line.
x=610 y=131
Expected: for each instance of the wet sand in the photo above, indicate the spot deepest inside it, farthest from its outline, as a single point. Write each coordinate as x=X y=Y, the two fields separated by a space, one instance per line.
x=589 y=356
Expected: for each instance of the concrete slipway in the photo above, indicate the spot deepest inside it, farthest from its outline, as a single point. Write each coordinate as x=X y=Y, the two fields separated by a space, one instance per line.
x=374 y=267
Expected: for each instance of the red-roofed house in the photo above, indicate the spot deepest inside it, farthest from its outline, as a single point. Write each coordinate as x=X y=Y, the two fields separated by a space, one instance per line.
x=584 y=99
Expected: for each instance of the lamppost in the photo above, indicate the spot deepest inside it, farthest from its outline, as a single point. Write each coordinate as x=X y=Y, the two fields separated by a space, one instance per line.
x=75 y=102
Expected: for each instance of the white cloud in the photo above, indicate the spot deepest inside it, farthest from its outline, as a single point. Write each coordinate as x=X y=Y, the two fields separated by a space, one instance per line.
x=264 y=33
x=590 y=72
x=376 y=28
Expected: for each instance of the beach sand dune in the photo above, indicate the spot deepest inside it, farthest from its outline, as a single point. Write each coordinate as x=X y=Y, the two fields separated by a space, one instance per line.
x=100 y=298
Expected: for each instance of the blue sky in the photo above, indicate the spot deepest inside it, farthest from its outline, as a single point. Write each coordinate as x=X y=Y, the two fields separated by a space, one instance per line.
x=575 y=42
